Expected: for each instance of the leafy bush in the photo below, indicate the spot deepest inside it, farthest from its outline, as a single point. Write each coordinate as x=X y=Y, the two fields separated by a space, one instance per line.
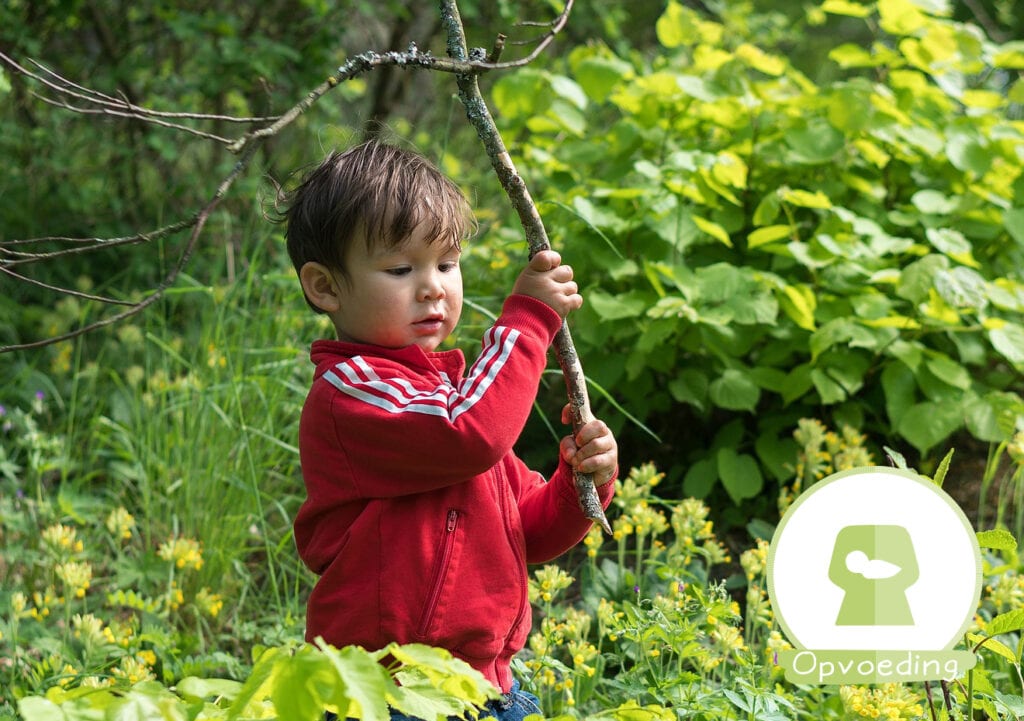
x=757 y=246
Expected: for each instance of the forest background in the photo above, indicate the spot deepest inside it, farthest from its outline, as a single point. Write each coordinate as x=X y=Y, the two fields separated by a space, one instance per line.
x=777 y=212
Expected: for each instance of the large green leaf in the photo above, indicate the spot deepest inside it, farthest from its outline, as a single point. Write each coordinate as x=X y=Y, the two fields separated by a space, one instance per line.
x=740 y=474
x=522 y=95
x=927 y=424
x=735 y=391
x=1008 y=339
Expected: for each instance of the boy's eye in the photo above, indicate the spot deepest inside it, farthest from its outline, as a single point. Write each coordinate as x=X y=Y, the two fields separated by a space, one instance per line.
x=447 y=267
x=403 y=270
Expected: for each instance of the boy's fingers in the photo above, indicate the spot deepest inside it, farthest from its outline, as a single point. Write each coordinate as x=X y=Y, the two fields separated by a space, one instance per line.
x=545 y=260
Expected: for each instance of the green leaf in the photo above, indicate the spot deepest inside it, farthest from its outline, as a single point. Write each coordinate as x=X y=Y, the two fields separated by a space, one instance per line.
x=943 y=469
x=799 y=303
x=900 y=17
x=798 y=382
x=997 y=539
x=734 y=391
x=1008 y=339
x=740 y=474
x=616 y=307
x=932 y=202
x=899 y=389
x=301 y=684
x=570 y=90
x=1006 y=622
x=807 y=199
x=690 y=386
x=521 y=95
x=996 y=647
x=918 y=279
x=193 y=688
x=845 y=7
x=949 y=371
x=365 y=682
x=253 y=688
x=1013 y=221
x=36 y=708
x=818 y=142
x=599 y=74
x=993 y=417
x=929 y=423
x=676 y=26
x=768 y=209
x=713 y=229
x=700 y=478
x=968 y=154
x=1010 y=55
x=777 y=455
x=768 y=234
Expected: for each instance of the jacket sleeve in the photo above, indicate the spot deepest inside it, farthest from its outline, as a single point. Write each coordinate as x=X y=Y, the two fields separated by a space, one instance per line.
x=402 y=435
x=550 y=511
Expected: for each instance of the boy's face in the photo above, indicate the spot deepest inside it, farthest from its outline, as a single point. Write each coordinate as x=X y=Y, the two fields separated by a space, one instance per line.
x=401 y=296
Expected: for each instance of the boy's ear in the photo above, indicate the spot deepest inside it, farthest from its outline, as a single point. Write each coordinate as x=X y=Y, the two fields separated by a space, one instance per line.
x=319 y=286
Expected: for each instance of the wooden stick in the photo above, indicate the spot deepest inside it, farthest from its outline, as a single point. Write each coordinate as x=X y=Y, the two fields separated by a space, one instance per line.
x=536 y=236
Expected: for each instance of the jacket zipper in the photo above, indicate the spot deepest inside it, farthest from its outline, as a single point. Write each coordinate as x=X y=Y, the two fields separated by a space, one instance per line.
x=437 y=584
x=521 y=570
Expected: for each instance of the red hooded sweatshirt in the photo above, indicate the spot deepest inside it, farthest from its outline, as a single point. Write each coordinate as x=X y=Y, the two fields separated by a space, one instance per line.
x=419 y=518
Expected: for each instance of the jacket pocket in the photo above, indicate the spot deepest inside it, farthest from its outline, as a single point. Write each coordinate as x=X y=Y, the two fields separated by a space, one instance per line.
x=440 y=573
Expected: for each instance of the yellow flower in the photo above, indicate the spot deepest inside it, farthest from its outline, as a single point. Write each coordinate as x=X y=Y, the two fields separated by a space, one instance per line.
x=891 y=701
x=728 y=638
x=62 y=541
x=209 y=603
x=182 y=552
x=133 y=670
x=76 y=577
x=120 y=523
x=90 y=629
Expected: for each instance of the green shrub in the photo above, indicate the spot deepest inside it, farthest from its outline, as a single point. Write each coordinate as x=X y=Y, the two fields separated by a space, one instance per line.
x=756 y=246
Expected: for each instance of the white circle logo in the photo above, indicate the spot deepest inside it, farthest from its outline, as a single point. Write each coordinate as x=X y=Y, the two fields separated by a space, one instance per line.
x=874 y=560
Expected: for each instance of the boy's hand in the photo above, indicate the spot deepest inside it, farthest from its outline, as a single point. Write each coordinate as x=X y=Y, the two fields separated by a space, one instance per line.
x=592 y=450
x=547 y=280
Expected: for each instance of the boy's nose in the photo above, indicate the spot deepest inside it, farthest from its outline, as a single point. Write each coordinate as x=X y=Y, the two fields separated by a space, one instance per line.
x=432 y=287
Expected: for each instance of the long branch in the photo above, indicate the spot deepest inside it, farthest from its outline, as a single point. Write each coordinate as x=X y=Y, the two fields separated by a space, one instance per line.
x=536 y=235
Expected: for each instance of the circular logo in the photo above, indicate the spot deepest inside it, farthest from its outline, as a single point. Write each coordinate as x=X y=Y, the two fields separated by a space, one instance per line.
x=874 y=559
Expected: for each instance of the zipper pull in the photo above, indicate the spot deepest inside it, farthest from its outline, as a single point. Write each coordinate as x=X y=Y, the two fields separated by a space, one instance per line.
x=453 y=517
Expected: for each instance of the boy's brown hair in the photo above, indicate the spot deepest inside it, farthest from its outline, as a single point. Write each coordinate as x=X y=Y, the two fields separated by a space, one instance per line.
x=375 y=191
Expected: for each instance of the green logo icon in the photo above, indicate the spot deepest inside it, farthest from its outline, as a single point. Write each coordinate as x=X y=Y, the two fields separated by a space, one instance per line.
x=874 y=565
x=874 y=575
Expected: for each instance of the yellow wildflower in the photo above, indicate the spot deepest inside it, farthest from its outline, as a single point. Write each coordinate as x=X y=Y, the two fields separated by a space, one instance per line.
x=62 y=541
x=120 y=523
x=182 y=552
x=76 y=577
x=133 y=670
x=209 y=603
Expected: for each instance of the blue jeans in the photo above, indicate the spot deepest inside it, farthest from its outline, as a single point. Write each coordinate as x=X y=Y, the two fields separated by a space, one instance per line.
x=516 y=705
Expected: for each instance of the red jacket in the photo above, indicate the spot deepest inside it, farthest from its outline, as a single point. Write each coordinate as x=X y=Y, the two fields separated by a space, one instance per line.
x=419 y=518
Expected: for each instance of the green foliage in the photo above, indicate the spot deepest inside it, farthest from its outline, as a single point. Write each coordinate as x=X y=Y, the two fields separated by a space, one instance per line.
x=756 y=246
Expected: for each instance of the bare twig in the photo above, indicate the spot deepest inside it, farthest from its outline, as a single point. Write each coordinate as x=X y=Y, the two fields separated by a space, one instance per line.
x=536 y=235
x=197 y=224
x=65 y=86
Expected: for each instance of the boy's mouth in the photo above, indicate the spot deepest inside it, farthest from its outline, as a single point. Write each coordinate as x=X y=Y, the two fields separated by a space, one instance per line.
x=431 y=322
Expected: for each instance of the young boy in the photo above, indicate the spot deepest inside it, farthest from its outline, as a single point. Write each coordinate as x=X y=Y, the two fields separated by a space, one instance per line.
x=419 y=518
